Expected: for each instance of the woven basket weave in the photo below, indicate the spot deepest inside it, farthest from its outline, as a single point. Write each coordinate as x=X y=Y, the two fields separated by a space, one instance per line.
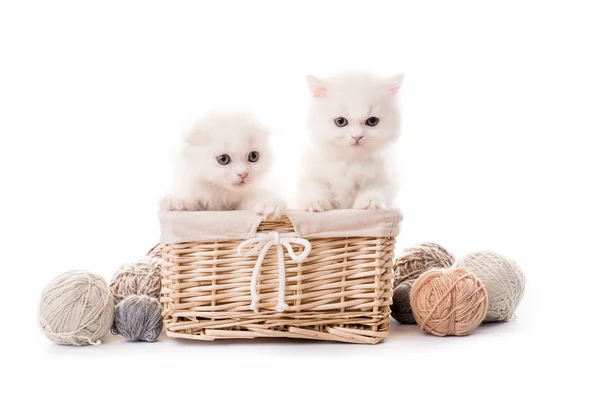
x=341 y=291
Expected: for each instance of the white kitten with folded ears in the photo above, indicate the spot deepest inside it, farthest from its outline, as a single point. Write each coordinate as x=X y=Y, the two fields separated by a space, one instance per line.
x=354 y=121
x=221 y=165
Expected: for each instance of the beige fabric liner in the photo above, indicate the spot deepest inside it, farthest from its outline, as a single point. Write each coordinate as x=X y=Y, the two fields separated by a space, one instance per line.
x=180 y=227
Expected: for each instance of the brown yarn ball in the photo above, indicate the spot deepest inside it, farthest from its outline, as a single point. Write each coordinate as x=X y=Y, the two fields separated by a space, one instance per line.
x=418 y=259
x=138 y=278
x=448 y=302
x=401 y=310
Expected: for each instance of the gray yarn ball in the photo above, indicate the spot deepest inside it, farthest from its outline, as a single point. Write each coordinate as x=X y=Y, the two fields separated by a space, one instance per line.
x=138 y=318
x=401 y=310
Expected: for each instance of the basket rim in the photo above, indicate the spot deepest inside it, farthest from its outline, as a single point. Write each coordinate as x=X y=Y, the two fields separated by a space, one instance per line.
x=189 y=226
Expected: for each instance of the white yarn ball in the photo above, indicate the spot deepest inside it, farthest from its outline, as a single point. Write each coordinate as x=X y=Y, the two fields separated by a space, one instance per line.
x=76 y=308
x=503 y=280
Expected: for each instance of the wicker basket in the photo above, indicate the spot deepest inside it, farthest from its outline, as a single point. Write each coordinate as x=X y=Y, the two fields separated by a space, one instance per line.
x=311 y=283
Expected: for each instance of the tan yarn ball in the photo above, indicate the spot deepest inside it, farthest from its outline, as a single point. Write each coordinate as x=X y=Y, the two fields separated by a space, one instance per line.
x=503 y=280
x=418 y=259
x=448 y=302
x=76 y=308
x=138 y=278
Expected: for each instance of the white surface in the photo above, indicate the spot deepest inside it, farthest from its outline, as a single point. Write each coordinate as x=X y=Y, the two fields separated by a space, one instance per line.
x=500 y=151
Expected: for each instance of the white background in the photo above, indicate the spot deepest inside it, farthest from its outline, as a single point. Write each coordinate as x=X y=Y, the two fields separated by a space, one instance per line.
x=499 y=151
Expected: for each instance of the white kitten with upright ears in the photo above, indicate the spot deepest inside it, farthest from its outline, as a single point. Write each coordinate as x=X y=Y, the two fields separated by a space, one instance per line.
x=354 y=121
x=221 y=164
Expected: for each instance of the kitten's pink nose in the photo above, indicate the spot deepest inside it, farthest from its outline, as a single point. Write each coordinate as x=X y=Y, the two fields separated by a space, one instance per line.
x=357 y=137
x=243 y=175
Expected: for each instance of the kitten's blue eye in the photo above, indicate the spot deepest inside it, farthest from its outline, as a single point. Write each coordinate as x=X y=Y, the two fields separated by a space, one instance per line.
x=223 y=159
x=253 y=156
x=341 y=122
x=372 y=121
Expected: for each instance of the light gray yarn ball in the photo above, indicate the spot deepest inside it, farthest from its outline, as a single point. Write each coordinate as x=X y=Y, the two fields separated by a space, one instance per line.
x=138 y=318
x=76 y=308
x=503 y=280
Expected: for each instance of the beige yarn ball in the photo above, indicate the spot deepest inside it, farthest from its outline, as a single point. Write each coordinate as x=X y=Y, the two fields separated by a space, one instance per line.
x=415 y=260
x=138 y=278
x=503 y=280
x=448 y=302
x=76 y=308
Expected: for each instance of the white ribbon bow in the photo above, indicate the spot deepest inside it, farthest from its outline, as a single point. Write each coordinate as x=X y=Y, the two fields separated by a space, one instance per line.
x=262 y=242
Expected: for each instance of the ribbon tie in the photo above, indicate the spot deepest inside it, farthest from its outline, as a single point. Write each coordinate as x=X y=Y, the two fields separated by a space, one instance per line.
x=262 y=242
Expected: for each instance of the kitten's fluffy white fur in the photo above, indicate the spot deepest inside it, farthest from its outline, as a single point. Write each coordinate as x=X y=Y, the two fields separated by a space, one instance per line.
x=201 y=182
x=348 y=166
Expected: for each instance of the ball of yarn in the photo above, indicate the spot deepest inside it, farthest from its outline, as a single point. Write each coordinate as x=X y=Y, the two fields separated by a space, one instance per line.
x=415 y=260
x=138 y=318
x=401 y=310
x=76 y=308
x=503 y=280
x=448 y=302
x=138 y=278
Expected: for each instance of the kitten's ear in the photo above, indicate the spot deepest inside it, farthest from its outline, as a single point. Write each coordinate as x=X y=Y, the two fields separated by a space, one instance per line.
x=394 y=83
x=317 y=86
x=194 y=135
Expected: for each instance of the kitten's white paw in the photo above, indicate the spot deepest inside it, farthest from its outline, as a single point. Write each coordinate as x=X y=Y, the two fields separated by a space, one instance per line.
x=369 y=203
x=318 y=205
x=177 y=203
x=268 y=211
